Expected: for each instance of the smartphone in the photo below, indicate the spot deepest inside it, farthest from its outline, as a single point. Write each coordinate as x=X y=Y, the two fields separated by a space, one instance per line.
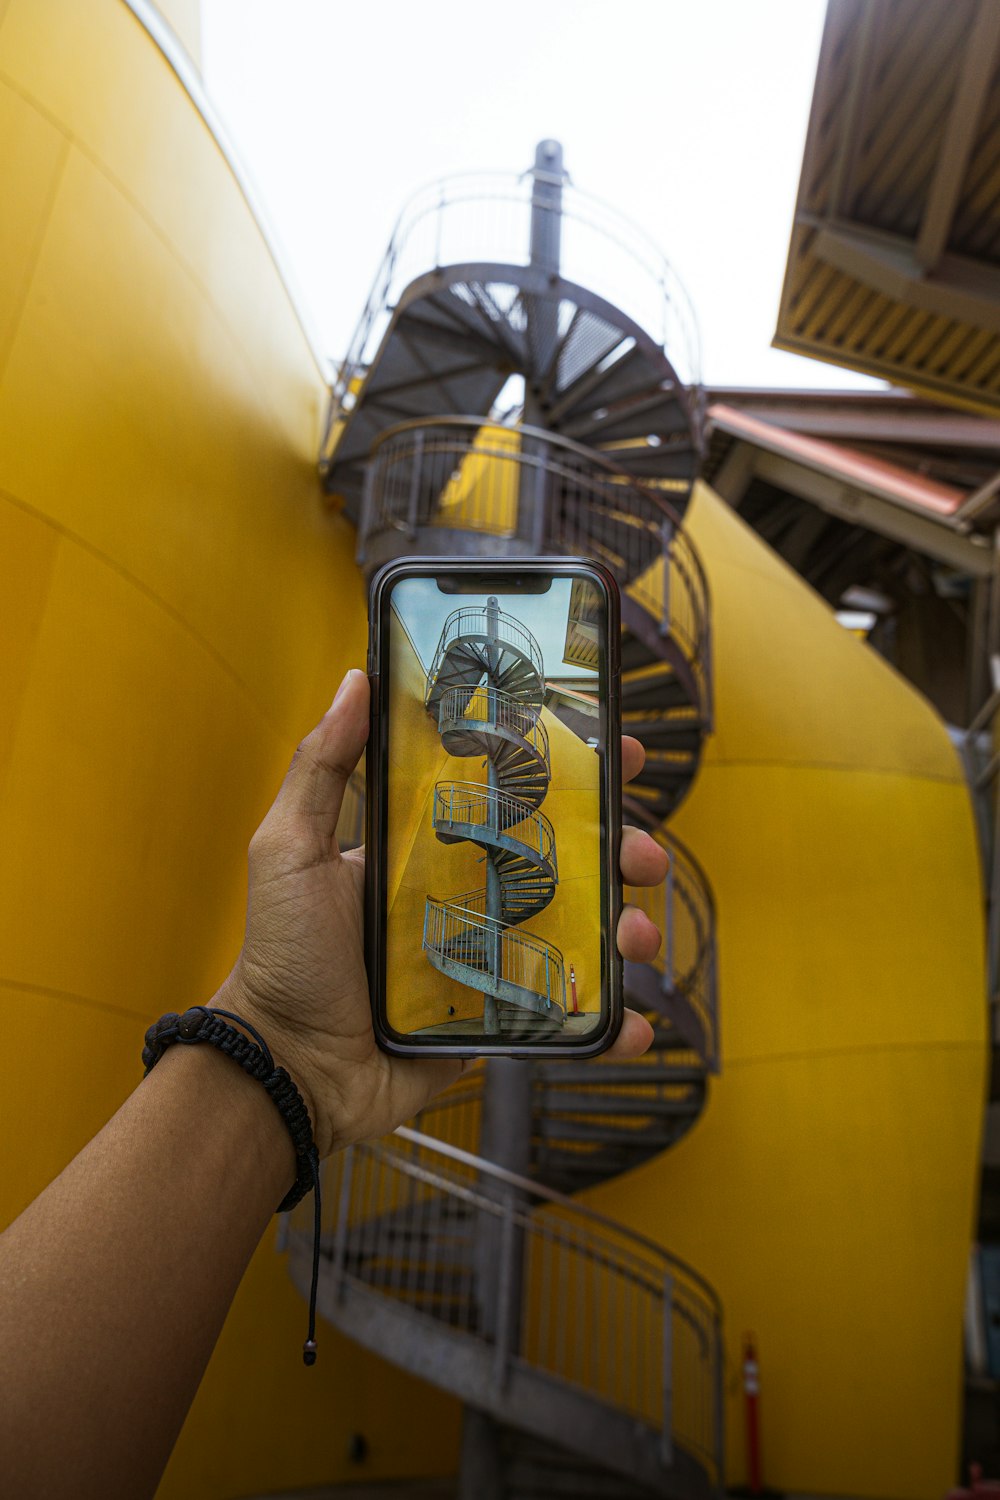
x=493 y=887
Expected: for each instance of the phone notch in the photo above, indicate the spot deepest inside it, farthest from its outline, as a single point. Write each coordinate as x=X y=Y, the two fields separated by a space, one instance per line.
x=495 y=583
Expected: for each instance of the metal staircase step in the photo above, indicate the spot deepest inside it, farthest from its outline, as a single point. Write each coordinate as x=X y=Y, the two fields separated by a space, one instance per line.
x=612 y=1075
x=667 y=774
x=537 y=1471
x=637 y=653
x=657 y=409
x=601 y=1134
x=592 y=1102
x=653 y=690
x=663 y=461
x=615 y=376
x=668 y=734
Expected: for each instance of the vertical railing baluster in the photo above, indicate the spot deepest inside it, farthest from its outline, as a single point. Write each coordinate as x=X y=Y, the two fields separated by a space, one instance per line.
x=666 y=537
x=505 y=1294
x=343 y=1216
x=667 y=1435
x=416 y=473
x=668 y=924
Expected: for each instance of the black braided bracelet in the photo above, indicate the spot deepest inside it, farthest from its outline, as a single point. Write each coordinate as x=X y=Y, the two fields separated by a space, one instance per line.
x=200 y=1024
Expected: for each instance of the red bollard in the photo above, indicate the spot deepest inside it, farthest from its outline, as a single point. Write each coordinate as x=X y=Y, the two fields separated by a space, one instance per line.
x=572 y=988
x=979 y=1488
x=751 y=1395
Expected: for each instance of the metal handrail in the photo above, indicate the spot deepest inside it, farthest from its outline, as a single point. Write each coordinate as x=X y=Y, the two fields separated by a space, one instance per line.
x=415 y=473
x=484 y=217
x=480 y=806
x=458 y=927
x=684 y=910
x=495 y=709
x=464 y=622
x=568 y=1293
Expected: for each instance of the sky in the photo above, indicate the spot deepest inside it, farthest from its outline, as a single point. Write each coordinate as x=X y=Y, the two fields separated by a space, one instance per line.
x=689 y=116
x=424 y=609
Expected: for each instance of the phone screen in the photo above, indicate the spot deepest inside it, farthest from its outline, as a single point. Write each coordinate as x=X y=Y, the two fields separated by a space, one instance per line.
x=496 y=728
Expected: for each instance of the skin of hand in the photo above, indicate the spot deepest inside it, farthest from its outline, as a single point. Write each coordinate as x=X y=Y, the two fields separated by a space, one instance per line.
x=300 y=977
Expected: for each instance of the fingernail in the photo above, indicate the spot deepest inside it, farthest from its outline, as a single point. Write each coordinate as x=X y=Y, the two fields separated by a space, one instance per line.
x=347 y=677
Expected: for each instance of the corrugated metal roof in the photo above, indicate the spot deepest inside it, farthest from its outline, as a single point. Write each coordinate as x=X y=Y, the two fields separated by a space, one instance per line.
x=894 y=261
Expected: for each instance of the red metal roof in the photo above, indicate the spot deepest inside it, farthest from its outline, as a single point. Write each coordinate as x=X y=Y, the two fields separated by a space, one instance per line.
x=886 y=480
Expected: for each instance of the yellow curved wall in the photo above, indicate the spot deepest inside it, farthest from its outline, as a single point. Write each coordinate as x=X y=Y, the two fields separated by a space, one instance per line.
x=828 y=1190
x=178 y=607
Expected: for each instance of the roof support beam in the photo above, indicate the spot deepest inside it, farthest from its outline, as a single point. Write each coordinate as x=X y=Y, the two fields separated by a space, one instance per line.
x=735 y=474
x=959 y=289
x=861 y=509
x=977 y=501
x=971 y=88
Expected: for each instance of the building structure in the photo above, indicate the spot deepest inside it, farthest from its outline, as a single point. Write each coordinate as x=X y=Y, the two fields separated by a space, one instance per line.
x=171 y=553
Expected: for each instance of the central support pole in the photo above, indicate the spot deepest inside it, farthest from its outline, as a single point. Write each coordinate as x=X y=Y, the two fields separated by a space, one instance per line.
x=493 y=936
x=544 y=254
x=504 y=1138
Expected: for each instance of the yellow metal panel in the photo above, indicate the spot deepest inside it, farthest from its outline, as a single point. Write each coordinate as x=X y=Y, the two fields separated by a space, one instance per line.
x=27 y=555
x=37 y=152
x=794 y=686
x=182 y=608
x=828 y=1190
x=824 y=1197
x=150 y=761
x=123 y=381
x=165 y=161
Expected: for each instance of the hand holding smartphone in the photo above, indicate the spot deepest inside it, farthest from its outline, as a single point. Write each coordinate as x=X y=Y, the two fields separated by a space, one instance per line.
x=494 y=808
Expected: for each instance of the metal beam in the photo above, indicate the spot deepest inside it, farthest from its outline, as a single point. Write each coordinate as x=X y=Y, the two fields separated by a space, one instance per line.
x=829 y=418
x=863 y=509
x=961 y=289
x=971 y=89
x=977 y=501
x=735 y=474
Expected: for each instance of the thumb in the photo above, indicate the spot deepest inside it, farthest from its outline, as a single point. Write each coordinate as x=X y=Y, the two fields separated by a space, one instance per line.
x=313 y=788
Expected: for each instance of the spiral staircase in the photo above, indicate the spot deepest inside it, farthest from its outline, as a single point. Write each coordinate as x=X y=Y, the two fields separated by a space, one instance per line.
x=589 y=1359
x=485 y=688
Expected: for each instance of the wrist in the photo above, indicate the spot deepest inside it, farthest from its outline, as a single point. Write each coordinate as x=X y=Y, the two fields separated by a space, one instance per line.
x=235 y=995
x=235 y=1113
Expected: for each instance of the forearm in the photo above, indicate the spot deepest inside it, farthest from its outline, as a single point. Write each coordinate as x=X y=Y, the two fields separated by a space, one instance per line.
x=117 y=1280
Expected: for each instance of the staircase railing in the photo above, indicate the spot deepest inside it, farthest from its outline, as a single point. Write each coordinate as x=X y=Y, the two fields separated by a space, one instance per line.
x=478 y=806
x=471 y=620
x=459 y=930
x=456 y=473
x=485 y=218
x=494 y=709
x=573 y=1296
x=684 y=911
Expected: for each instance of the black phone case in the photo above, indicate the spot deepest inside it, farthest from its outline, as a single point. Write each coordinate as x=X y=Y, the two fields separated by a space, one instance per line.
x=376 y=831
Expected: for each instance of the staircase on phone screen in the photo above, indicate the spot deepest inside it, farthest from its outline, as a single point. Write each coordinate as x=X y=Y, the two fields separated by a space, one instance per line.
x=484 y=691
x=589 y=1359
